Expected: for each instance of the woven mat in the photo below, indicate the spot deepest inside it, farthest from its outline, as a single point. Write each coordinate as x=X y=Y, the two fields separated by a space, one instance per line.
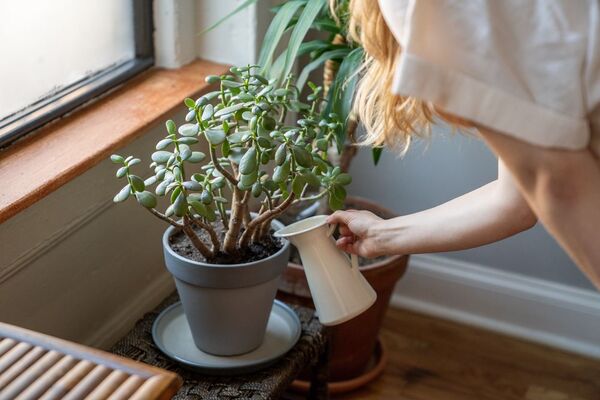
x=269 y=383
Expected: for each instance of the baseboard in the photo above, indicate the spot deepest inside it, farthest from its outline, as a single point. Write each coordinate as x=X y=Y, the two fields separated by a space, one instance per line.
x=127 y=316
x=545 y=312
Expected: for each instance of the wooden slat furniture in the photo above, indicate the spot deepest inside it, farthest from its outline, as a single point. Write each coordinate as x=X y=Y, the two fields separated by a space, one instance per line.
x=311 y=352
x=37 y=366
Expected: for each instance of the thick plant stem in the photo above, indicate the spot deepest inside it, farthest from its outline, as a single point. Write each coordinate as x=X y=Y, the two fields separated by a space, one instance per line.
x=196 y=241
x=238 y=203
x=214 y=238
x=270 y=214
x=246 y=216
x=263 y=230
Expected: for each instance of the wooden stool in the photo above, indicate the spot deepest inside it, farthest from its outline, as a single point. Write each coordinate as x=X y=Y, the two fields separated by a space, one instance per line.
x=37 y=366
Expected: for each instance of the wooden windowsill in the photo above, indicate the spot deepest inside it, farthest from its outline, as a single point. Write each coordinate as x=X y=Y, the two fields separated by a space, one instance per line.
x=66 y=148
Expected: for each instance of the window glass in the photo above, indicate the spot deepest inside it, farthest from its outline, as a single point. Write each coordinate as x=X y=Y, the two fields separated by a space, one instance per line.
x=47 y=45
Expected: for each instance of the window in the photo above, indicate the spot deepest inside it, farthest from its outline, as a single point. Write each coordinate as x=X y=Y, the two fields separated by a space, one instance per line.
x=59 y=54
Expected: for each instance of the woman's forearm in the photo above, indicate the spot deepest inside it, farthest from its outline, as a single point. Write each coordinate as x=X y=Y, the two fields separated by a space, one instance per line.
x=483 y=216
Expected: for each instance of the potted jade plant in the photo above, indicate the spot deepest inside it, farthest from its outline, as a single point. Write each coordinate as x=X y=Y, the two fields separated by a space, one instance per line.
x=223 y=257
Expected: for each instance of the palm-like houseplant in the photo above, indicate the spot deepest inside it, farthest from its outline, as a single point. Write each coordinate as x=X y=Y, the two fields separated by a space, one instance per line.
x=352 y=342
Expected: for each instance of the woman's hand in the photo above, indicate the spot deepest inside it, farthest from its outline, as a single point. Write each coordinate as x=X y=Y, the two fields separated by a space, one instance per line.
x=357 y=233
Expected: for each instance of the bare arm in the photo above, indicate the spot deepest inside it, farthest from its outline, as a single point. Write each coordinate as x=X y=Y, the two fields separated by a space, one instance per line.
x=488 y=214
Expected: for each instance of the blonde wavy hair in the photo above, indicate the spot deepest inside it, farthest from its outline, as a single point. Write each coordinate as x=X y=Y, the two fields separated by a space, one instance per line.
x=389 y=119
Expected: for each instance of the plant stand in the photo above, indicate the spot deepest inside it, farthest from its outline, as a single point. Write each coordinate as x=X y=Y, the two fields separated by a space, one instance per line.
x=310 y=351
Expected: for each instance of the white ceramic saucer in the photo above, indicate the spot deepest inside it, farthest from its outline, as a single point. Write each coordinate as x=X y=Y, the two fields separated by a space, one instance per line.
x=172 y=335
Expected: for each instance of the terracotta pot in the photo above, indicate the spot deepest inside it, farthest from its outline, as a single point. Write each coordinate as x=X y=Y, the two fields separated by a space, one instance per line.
x=353 y=342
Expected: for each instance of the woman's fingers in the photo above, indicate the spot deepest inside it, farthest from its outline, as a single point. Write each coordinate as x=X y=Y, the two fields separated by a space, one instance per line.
x=340 y=217
x=344 y=240
x=344 y=230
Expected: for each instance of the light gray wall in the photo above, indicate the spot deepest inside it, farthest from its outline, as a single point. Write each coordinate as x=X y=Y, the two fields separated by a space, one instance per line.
x=446 y=167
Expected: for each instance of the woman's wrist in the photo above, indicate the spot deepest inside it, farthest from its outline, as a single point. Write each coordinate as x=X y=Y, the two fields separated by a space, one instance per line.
x=386 y=236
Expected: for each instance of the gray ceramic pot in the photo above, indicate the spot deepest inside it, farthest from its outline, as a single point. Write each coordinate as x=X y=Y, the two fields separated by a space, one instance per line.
x=227 y=306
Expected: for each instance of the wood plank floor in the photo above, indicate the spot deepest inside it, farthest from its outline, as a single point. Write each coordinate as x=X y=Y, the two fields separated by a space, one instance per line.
x=432 y=359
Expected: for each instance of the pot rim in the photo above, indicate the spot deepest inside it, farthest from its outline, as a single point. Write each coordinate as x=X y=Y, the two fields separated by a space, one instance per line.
x=171 y=230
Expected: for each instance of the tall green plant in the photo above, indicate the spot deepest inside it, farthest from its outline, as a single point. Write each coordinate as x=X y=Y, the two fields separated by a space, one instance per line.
x=299 y=18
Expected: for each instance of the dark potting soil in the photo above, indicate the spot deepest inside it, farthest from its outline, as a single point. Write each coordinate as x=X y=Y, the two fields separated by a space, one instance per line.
x=182 y=245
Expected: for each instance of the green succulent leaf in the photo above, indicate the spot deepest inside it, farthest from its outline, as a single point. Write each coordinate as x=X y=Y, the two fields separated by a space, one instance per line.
x=335 y=203
x=188 y=130
x=218 y=183
x=161 y=188
x=163 y=144
x=212 y=79
x=117 y=159
x=199 y=208
x=189 y=102
x=133 y=162
x=137 y=183
x=190 y=115
x=249 y=162
x=311 y=179
x=170 y=124
x=256 y=189
x=151 y=180
x=161 y=156
x=188 y=140
x=338 y=192
x=121 y=172
x=146 y=199
x=180 y=205
x=303 y=157
x=298 y=185
x=248 y=180
x=281 y=172
x=207 y=112
x=206 y=197
x=280 y=154
x=215 y=136
x=192 y=185
x=196 y=157
x=343 y=179
x=123 y=194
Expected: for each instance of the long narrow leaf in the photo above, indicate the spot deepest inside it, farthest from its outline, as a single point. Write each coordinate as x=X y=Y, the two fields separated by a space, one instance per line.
x=376 y=153
x=275 y=31
x=310 y=12
x=231 y=14
x=328 y=55
x=277 y=66
x=342 y=92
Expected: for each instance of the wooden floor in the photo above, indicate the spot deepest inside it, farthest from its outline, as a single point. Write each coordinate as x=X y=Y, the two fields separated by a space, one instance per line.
x=432 y=359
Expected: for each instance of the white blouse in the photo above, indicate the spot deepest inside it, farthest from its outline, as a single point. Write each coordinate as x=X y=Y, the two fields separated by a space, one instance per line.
x=530 y=69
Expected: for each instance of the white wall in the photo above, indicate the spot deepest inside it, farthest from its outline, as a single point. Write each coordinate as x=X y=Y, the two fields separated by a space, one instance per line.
x=77 y=266
x=448 y=166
